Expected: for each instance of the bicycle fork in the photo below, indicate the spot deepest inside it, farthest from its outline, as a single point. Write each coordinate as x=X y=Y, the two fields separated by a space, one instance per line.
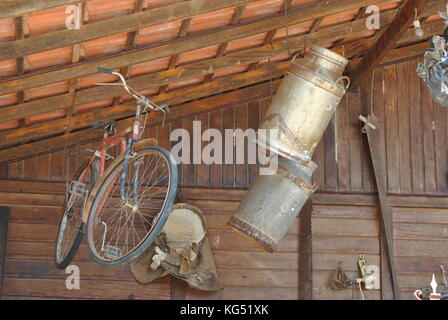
x=129 y=155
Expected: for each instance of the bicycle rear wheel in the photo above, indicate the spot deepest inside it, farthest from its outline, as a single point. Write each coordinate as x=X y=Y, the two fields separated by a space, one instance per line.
x=121 y=228
x=71 y=227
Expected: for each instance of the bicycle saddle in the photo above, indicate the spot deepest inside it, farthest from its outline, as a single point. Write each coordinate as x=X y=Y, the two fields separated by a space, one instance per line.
x=103 y=125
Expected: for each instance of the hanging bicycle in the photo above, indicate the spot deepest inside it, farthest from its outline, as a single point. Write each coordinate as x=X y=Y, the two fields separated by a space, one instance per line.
x=124 y=207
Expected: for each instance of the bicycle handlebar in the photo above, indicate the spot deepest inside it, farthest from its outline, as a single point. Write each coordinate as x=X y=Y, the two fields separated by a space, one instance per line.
x=141 y=99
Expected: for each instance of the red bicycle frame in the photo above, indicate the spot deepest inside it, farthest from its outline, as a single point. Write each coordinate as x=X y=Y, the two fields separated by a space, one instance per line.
x=107 y=143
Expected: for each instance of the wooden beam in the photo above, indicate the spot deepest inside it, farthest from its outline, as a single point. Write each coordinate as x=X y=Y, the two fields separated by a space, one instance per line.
x=20 y=62
x=243 y=57
x=359 y=47
x=127 y=23
x=4 y=215
x=76 y=57
x=84 y=120
x=204 y=67
x=223 y=47
x=183 y=32
x=387 y=40
x=131 y=43
x=270 y=35
x=306 y=253
x=214 y=87
x=29 y=188
x=377 y=150
x=15 y=8
x=177 y=97
x=304 y=13
x=209 y=66
x=358 y=16
x=316 y=25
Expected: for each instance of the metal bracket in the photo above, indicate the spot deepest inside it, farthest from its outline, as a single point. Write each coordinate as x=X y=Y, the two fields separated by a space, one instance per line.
x=366 y=122
x=369 y=279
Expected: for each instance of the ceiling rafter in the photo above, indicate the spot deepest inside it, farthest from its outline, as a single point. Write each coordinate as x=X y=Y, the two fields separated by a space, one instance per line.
x=122 y=24
x=223 y=46
x=83 y=120
x=387 y=40
x=270 y=35
x=359 y=15
x=16 y=8
x=211 y=88
x=183 y=32
x=82 y=17
x=304 y=13
x=201 y=68
x=88 y=135
x=360 y=47
x=21 y=33
x=131 y=43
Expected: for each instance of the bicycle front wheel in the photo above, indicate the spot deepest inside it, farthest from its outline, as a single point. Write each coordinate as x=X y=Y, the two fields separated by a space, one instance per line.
x=122 y=225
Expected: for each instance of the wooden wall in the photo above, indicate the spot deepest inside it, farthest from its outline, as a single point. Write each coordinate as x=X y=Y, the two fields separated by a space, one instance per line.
x=342 y=232
x=245 y=271
x=343 y=225
x=344 y=219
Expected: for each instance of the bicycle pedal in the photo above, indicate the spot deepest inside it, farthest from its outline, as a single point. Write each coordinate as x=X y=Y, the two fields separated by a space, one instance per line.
x=78 y=188
x=112 y=251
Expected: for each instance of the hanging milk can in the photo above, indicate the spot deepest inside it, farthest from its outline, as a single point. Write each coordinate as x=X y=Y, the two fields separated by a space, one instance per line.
x=304 y=103
x=272 y=204
x=300 y=112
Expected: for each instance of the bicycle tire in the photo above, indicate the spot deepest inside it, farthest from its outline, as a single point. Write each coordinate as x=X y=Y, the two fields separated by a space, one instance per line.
x=106 y=181
x=63 y=263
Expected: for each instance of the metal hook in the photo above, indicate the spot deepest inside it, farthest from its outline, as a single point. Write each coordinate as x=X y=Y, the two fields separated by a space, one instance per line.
x=295 y=56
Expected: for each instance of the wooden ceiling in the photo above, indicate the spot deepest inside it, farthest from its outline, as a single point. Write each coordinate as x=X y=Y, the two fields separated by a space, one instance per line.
x=174 y=51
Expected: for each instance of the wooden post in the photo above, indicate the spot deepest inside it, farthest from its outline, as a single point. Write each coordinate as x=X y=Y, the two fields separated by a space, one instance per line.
x=387 y=40
x=377 y=150
x=306 y=253
x=4 y=215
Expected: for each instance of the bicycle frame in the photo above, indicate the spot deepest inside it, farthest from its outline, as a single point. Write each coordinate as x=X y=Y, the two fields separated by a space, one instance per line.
x=126 y=146
x=107 y=143
x=135 y=137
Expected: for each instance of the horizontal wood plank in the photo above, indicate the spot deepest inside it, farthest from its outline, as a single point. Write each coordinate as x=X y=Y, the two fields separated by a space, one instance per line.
x=164 y=14
x=16 y=8
x=245 y=293
x=88 y=289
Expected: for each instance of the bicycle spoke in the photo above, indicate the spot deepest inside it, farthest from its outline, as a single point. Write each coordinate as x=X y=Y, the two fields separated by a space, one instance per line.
x=130 y=220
